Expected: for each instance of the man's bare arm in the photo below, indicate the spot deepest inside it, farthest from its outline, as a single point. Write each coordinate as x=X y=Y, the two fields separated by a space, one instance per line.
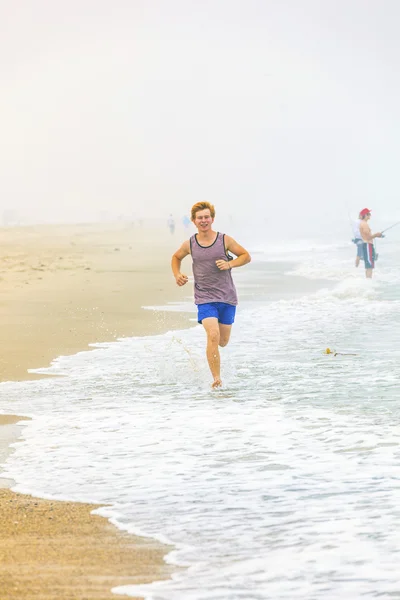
x=366 y=234
x=176 y=261
x=242 y=256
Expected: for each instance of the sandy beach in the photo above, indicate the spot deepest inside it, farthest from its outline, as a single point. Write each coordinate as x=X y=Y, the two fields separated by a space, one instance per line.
x=62 y=288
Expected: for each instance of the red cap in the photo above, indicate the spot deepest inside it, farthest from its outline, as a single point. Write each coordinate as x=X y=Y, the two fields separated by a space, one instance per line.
x=364 y=211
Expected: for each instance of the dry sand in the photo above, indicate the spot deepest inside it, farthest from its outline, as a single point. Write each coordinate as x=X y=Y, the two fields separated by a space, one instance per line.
x=62 y=288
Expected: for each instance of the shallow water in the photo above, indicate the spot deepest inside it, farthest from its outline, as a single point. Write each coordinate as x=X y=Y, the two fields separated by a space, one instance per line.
x=284 y=484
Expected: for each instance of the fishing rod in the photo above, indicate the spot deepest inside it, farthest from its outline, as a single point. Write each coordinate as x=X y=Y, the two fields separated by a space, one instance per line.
x=387 y=228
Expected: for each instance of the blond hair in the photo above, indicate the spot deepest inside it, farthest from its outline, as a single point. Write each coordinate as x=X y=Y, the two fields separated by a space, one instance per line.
x=202 y=206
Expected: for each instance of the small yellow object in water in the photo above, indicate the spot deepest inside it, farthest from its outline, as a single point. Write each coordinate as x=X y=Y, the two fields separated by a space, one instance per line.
x=329 y=351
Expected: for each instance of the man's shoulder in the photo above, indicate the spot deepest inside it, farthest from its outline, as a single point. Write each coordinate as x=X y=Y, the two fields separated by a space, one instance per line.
x=228 y=238
x=187 y=244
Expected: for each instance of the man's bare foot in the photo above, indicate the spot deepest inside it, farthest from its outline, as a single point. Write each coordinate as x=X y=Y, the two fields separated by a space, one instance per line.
x=217 y=383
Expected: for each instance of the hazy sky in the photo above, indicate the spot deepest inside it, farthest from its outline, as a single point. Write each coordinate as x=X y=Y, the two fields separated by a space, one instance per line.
x=285 y=109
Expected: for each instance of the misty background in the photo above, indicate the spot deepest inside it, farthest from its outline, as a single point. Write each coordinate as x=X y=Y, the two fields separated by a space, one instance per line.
x=283 y=113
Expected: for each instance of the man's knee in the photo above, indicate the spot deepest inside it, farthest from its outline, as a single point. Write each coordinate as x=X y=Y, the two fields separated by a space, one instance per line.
x=213 y=336
x=224 y=334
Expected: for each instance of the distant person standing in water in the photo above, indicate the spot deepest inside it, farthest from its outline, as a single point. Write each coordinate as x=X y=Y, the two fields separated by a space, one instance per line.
x=171 y=224
x=214 y=290
x=185 y=221
x=368 y=242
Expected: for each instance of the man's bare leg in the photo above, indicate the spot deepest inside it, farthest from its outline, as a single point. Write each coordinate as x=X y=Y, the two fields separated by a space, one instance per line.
x=224 y=334
x=368 y=273
x=357 y=261
x=211 y=327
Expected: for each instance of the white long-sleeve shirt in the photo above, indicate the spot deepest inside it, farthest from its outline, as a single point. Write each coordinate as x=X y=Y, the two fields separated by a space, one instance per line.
x=356 y=229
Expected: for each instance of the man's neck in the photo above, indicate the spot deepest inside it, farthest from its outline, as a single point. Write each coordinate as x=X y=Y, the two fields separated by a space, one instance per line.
x=206 y=236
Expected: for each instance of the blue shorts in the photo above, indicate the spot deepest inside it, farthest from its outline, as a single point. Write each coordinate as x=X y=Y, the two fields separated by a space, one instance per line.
x=369 y=255
x=225 y=313
x=360 y=251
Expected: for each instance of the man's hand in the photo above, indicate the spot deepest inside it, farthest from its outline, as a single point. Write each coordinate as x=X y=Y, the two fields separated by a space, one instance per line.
x=223 y=265
x=181 y=279
x=379 y=234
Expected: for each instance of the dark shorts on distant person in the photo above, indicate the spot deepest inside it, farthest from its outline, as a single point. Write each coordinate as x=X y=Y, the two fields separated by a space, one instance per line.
x=360 y=250
x=368 y=255
x=225 y=313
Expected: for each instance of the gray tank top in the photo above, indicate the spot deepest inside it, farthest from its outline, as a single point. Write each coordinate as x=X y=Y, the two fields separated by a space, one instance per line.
x=211 y=284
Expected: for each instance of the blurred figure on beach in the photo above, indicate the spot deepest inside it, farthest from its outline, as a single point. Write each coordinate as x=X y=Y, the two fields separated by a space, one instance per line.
x=185 y=221
x=369 y=254
x=214 y=291
x=171 y=224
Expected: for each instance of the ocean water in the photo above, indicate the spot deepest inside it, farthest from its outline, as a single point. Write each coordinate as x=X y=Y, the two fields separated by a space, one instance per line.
x=285 y=483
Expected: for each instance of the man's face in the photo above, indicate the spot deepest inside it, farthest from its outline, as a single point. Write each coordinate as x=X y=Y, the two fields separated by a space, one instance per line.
x=203 y=220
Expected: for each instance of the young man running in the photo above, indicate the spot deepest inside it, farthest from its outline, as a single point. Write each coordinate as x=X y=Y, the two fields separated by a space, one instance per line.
x=214 y=290
x=368 y=242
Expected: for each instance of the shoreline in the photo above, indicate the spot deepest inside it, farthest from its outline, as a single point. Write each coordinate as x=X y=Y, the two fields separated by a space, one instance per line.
x=10 y=431
x=89 y=280
x=70 y=552
x=65 y=287
x=108 y=267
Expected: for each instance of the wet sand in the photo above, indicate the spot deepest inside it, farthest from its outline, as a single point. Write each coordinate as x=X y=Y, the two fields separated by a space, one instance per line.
x=62 y=288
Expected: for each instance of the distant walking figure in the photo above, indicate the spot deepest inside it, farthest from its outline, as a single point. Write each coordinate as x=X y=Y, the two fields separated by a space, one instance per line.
x=171 y=224
x=214 y=290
